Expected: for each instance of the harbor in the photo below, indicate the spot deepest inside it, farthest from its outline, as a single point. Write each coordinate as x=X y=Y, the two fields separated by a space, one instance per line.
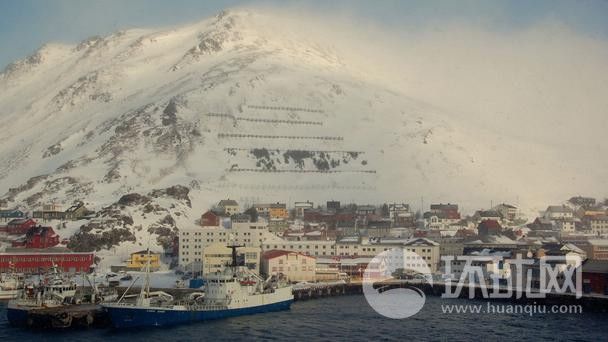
x=94 y=316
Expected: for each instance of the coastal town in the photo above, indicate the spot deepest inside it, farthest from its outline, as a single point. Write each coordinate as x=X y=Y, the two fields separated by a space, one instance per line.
x=309 y=242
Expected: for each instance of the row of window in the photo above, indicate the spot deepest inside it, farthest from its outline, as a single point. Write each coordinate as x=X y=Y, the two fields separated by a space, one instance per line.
x=43 y=259
x=289 y=269
x=281 y=261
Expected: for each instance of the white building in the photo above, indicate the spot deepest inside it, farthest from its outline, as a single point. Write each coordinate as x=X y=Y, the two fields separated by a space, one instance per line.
x=295 y=266
x=554 y=212
x=216 y=256
x=192 y=241
x=309 y=247
x=428 y=250
x=508 y=212
x=301 y=206
x=599 y=225
x=564 y=226
x=229 y=206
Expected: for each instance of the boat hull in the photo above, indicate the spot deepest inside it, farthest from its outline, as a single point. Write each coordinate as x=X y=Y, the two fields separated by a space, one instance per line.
x=132 y=317
x=9 y=294
x=17 y=316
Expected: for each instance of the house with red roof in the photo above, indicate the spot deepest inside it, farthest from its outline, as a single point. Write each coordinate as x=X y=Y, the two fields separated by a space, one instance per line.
x=19 y=226
x=38 y=237
x=210 y=219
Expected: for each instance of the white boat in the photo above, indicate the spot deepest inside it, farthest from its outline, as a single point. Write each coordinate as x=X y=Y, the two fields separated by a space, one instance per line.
x=232 y=292
x=11 y=285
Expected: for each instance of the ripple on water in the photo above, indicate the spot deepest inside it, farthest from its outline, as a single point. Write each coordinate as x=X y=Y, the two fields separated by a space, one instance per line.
x=348 y=318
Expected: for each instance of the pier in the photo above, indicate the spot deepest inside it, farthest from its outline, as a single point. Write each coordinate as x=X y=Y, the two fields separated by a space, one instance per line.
x=67 y=316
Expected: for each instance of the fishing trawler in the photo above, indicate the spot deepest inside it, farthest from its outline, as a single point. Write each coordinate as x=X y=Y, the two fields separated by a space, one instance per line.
x=234 y=291
x=52 y=291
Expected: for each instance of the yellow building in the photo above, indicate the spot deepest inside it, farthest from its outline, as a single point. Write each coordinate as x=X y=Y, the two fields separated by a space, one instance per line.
x=278 y=211
x=139 y=261
x=273 y=211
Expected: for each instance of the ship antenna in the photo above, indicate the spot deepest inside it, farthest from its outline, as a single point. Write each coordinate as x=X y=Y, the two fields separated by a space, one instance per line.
x=234 y=246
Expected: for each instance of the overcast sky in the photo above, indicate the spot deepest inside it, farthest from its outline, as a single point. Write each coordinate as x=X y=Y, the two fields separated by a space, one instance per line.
x=27 y=24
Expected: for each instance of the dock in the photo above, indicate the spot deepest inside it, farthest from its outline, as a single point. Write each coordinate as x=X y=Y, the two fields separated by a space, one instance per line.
x=67 y=316
x=91 y=315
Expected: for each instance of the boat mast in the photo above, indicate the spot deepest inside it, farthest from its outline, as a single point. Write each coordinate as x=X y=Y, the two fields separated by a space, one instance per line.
x=145 y=289
x=234 y=262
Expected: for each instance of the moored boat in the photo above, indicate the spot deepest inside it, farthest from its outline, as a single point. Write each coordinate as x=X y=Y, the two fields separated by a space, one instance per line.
x=53 y=291
x=234 y=291
x=11 y=285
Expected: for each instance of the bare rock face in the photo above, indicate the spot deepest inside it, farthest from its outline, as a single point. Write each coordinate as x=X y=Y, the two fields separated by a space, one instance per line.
x=133 y=200
x=177 y=192
x=118 y=223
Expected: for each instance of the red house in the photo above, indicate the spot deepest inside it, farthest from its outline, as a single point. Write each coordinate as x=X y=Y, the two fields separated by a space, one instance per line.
x=595 y=276
x=41 y=237
x=489 y=227
x=32 y=261
x=20 y=226
x=210 y=219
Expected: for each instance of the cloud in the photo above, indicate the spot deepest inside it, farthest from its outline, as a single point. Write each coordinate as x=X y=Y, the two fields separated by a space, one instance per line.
x=545 y=82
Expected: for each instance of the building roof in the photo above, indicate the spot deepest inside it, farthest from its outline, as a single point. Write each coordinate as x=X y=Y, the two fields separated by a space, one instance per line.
x=275 y=253
x=489 y=224
x=442 y=206
x=8 y=212
x=144 y=252
x=349 y=239
x=558 y=209
x=18 y=221
x=420 y=241
x=210 y=212
x=599 y=218
x=51 y=250
x=489 y=213
x=573 y=248
x=227 y=202
x=40 y=230
x=505 y=205
x=595 y=266
x=271 y=205
x=442 y=215
x=598 y=242
x=75 y=207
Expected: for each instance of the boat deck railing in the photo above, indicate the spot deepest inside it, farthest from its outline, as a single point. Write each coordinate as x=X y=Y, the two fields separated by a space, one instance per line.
x=187 y=305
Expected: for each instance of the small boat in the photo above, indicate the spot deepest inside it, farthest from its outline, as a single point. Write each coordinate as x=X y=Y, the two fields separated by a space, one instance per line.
x=234 y=291
x=11 y=284
x=126 y=277
x=111 y=275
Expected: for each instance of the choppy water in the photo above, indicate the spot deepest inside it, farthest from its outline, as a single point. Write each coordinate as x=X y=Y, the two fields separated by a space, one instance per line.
x=349 y=318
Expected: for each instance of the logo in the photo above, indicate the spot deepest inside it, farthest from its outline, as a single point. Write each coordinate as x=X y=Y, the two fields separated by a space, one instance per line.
x=388 y=283
x=499 y=277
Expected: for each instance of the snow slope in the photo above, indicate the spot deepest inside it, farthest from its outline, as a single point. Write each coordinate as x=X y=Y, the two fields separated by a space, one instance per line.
x=222 y=105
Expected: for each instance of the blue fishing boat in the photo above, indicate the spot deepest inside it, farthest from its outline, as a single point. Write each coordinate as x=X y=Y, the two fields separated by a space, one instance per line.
x=234 y=291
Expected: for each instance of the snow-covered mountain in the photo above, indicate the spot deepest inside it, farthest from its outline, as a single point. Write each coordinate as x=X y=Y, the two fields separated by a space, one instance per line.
x=230 y=107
